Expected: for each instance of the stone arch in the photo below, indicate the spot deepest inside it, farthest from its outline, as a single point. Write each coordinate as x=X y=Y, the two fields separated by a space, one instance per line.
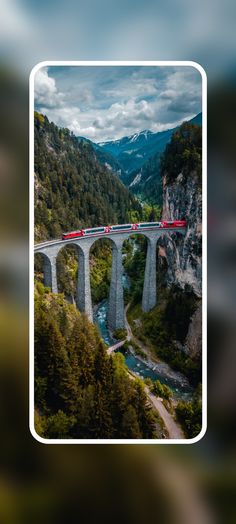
x=82 y=290
x=149 y=291
x=112 y=239
x=46 y=267
x=115 y=313
x=68 y=256
x=135 y=249
x=100 y=260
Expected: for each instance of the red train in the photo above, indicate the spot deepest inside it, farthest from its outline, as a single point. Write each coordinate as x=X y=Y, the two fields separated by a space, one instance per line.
x=163 y=224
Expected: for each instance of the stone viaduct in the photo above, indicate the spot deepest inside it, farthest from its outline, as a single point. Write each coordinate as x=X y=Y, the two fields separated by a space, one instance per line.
x=49 y=250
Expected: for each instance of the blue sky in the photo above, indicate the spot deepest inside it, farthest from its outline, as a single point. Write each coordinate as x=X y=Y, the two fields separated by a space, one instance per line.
x=106 y=103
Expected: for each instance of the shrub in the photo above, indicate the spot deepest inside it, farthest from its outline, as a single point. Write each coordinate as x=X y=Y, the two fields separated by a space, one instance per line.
x=161 y=390
x=120 y=334
x=189 y=414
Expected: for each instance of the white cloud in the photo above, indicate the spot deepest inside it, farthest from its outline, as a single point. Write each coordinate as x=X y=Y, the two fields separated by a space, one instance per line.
x=114 y=104
x=45 y=90
x=133 y=87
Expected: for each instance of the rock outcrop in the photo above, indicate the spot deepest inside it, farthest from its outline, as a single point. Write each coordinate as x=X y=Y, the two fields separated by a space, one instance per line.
x=193 y=342
x=182 y=199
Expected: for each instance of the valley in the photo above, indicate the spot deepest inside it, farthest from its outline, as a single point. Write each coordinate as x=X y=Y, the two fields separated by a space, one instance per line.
x=81 y=184
x=136 y=160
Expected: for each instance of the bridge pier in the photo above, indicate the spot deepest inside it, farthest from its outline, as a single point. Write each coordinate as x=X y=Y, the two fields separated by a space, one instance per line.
x=50 y=272
x=149 y=287
x=116 y=317
x=116 y=314
x=84 y=300
x=54 y=274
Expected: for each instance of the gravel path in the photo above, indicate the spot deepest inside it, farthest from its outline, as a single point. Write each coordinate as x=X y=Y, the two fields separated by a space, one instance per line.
x=174 y=430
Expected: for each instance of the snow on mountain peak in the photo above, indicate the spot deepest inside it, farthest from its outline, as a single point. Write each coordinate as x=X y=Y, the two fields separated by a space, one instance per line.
x=144 y=133
x=134 y=137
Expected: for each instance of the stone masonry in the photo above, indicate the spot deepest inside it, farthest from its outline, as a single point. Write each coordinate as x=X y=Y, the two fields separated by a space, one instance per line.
x=116 y=317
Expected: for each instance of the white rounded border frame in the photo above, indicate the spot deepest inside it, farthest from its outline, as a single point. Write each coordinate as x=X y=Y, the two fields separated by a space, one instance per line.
x=152 y=63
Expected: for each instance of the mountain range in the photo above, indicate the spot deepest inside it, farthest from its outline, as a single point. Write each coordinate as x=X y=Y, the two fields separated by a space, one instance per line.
x=72 y=188
x=136 y=158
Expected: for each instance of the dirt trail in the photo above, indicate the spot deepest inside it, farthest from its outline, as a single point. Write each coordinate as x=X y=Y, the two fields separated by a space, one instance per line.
x=174 y=430
x=172 y=427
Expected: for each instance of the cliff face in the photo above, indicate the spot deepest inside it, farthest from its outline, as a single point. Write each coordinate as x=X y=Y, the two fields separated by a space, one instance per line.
x=182 y=199
x=193 y=342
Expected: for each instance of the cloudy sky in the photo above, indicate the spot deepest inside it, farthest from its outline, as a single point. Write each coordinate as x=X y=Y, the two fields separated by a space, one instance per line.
x=107 y=103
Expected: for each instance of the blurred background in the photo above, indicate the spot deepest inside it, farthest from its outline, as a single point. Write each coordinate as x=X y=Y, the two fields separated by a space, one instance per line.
x=174 y=484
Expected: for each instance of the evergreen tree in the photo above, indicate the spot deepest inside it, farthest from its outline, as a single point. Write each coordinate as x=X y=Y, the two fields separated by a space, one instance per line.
x=59 y=425
x=52 y=363
x=145 y=416
x=80 y=391
x=101 y=365
x=72 y=189
x=103 y=420
x=129 y=425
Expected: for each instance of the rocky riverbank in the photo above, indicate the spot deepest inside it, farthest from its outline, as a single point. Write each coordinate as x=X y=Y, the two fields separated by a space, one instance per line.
x=158 y=366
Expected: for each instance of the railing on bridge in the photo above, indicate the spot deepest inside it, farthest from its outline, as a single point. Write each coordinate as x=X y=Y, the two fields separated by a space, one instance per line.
x=111 y=349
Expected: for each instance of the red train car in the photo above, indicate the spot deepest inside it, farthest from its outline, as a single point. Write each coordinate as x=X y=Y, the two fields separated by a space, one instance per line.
x=173 y=223
x=92 y=231
x=73 y=234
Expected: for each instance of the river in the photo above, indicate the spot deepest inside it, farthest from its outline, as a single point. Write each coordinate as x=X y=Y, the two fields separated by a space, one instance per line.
x=155 y=371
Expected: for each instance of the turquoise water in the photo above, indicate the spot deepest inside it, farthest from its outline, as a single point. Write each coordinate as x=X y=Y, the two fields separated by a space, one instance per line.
x=180 y=391
x=100 y=318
